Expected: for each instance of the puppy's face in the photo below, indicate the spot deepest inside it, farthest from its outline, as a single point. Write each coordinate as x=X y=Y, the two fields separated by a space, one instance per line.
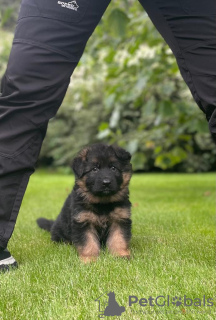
x=102 y=171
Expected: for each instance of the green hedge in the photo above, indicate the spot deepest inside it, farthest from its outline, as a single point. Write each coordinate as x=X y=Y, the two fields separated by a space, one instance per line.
x=128 y=90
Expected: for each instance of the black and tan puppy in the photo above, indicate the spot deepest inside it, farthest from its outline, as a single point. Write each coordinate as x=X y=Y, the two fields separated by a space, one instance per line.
x=97 y=211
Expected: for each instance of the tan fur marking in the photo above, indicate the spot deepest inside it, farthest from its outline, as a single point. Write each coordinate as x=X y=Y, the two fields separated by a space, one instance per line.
x=94 y=160
x=116 y=243
x=102 y=220
x=90 y=251
x=126 y=179
x=120 y=213
x=83 y=153
x=82 y=184
x=90 y=198
x=86 y=216
x=112 y=159
x=94 y=219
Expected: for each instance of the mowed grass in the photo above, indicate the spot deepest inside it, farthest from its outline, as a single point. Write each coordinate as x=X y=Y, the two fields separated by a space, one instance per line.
x=172 y=254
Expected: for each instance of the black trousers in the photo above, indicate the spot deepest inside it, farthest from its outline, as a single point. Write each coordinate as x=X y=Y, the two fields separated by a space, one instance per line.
x=49 y=40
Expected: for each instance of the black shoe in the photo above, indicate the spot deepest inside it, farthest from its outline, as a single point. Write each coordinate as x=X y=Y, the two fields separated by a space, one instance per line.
x=6 y=261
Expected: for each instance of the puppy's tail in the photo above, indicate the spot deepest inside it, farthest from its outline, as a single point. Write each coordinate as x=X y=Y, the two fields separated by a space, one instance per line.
x=45 y=223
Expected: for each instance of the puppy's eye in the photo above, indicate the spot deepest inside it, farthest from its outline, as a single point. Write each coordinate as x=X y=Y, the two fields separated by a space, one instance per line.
x=113 y=168
x=95 y=169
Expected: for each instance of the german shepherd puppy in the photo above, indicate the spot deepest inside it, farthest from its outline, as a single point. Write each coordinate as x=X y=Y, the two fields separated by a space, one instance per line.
x=97 y=211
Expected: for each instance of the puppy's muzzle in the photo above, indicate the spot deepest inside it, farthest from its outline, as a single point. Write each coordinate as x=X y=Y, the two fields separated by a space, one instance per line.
x=106 y=182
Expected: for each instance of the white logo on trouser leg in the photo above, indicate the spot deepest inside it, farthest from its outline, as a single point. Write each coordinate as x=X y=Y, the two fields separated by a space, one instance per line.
x=69 y=5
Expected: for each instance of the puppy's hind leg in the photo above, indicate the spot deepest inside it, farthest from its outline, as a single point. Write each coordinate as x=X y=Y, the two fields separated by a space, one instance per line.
x=59 y=232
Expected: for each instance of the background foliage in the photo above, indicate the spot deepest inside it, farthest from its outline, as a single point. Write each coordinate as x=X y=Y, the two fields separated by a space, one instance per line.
x=128 y=90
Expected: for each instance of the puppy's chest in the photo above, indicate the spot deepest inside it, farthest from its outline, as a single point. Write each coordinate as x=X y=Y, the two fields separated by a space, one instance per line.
x=103 y=218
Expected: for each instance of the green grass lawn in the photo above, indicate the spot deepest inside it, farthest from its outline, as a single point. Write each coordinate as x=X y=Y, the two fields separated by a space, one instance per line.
x=172 y=254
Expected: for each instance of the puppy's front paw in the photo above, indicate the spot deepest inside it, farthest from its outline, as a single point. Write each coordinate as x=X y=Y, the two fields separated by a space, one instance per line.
x=122 y=254
x=88 y=259
x=91 y=248
x=117 y=243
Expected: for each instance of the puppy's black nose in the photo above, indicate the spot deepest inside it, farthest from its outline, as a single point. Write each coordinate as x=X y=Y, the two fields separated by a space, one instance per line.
x=106 y=182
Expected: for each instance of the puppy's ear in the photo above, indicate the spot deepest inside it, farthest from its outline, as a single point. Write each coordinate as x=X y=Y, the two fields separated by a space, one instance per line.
x=121 y=154
x=78 y=167
x=78 y=163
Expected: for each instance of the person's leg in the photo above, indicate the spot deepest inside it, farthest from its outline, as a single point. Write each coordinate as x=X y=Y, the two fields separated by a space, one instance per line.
x=49 y=40
x=188 y=26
